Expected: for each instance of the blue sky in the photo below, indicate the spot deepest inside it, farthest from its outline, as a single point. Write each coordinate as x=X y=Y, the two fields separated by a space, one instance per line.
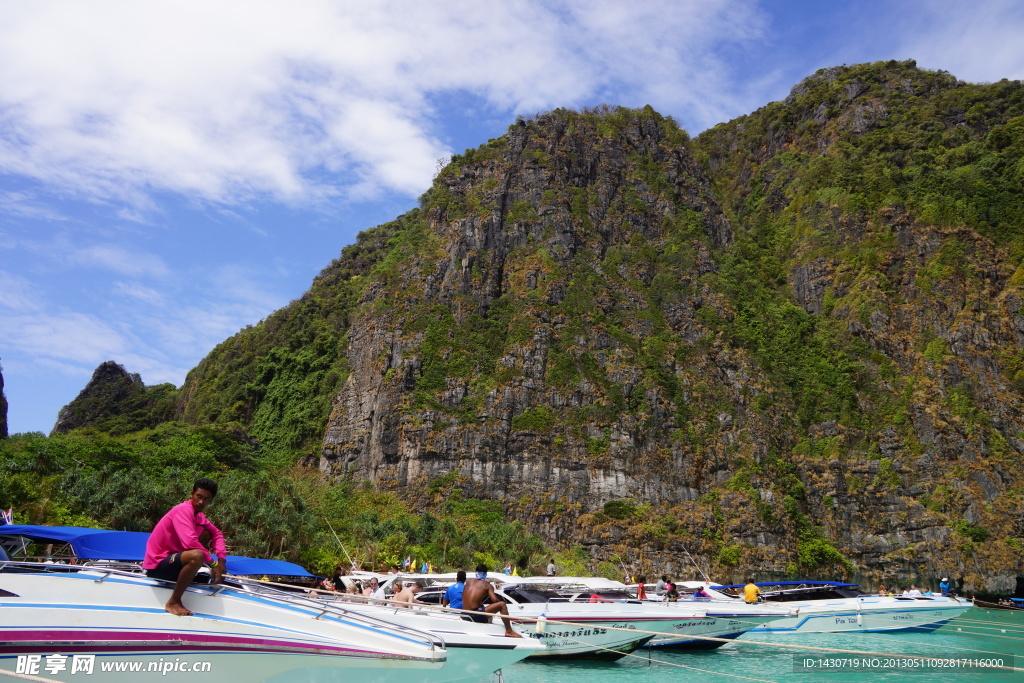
x=171 y=172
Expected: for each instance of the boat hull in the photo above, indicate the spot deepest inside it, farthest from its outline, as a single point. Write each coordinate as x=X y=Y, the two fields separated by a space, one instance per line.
x=59 y=624
x=595 y=631
x=708 y=633
x=868 y=615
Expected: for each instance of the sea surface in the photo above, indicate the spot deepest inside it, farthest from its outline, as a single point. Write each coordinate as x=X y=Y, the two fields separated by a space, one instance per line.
x=978 y=635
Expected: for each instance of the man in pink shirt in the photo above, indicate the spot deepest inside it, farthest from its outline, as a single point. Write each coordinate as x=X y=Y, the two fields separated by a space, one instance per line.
x=179 y=544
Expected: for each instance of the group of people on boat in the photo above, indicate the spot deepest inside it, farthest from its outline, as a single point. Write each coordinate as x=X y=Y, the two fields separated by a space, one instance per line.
x=912 y=591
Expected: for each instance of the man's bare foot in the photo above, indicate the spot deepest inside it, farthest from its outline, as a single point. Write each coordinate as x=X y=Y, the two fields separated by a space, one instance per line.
x=178 y=609
x=513 y=634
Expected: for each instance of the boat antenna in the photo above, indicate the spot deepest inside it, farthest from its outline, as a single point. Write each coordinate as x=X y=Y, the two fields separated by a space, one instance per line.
x=350 y=562
x=699 y=570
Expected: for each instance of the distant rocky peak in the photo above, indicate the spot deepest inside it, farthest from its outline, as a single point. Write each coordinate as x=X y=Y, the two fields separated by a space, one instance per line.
x=106 y=394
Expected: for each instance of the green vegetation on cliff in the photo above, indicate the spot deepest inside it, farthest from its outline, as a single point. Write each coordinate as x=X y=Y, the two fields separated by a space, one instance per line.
x=790 y=345
x=266 y=506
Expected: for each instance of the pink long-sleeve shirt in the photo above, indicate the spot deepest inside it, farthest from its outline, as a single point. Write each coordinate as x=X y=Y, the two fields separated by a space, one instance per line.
x=179 y=531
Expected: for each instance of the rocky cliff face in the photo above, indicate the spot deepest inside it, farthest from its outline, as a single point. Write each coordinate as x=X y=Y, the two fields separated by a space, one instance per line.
x=648 y=344
x=510 y=344
x=915 y=271
x=789 y=347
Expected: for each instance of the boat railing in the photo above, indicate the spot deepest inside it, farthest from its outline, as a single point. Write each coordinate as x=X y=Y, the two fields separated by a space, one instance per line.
x=336 y=607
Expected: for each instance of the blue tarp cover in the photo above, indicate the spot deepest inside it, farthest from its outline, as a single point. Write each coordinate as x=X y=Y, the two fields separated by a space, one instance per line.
x=111 y=545
x=35 y=532
x=130 y=546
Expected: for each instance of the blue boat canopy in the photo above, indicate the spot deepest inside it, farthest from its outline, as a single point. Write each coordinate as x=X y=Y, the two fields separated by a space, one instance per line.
x=130 y=546
x=63 y=534
x=251 y=566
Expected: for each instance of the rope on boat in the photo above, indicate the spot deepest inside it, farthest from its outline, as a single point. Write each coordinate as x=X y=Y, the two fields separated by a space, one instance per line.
x=662 y=662
x=693 y=668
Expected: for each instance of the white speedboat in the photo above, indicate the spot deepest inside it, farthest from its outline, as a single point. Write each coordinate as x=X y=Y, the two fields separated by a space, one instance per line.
x=722 y=621
x=474 y=650
x=602 y=630
x=58 y=619
x=833 y=607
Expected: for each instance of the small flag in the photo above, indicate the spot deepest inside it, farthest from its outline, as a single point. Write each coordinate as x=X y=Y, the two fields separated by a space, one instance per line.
x=8 y=516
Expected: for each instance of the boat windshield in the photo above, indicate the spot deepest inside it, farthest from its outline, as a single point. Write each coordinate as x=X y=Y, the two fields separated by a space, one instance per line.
x=532 y=594
x=808 y=592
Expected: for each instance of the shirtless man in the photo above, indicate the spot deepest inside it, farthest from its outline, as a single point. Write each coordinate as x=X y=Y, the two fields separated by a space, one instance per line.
x=408 y=594
x=180 y=542
x=479 y=588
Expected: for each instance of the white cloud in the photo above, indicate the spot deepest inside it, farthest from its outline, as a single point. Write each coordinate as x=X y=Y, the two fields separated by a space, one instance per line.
x=27 y=205
x=66 y=337
x=144 y=329
x=17 y=293
x=978 y=42
x=120 y=260
x=141 y=293
x=312 y=99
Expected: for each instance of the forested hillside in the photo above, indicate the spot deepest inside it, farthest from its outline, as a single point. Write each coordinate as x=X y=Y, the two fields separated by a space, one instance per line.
x=789 y=346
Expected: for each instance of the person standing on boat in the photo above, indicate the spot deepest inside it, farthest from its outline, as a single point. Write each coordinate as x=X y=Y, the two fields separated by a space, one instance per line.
x=180 y=543
x=641 y=589
x=750 y=592
x=552 y=570
x=945 y=587
x=453 y=595
x=337 y=581
x=480 y=589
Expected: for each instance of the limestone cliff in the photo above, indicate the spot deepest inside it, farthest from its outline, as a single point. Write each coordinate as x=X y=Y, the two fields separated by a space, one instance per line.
x=766 y=371
x=791 y=346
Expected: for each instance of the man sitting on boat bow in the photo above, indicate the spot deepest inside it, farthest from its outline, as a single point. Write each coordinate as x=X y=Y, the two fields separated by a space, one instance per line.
x=176 y=549
x=476 y=592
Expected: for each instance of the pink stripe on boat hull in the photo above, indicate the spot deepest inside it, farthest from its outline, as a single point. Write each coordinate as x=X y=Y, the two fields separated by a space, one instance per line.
x=200 y=640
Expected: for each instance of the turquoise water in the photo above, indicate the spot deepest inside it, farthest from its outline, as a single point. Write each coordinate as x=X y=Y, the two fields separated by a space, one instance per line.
x=979 y=633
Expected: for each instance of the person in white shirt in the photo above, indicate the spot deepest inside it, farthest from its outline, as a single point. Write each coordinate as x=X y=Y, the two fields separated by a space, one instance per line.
x=374 y=590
